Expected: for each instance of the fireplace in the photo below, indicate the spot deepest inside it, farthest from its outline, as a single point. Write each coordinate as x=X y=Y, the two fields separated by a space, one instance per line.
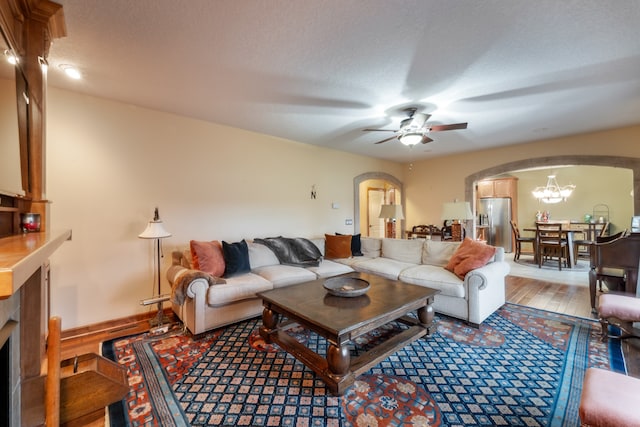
x=9 y=362
x=5 y=384
x=24 y=277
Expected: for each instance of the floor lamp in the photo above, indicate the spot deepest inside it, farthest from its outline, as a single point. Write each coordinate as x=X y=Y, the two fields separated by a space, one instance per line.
x=391 y=213
x=155 y=230
x=456 y=211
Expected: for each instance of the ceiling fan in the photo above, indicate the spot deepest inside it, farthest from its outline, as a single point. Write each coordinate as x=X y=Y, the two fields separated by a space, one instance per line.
x=414 y=128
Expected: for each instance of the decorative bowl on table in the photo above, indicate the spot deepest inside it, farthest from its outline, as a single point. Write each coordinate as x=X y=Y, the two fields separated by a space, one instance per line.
x=346 y=286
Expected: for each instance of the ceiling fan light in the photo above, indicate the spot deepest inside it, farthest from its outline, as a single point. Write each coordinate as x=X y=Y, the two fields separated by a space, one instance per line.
x=411 y=138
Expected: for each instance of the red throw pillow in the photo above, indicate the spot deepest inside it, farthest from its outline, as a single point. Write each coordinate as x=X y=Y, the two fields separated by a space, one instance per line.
x=208 y=257
x=337 y=246
x=469 y=256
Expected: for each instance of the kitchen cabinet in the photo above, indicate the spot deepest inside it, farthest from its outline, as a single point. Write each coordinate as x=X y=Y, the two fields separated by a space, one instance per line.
x=502 y=187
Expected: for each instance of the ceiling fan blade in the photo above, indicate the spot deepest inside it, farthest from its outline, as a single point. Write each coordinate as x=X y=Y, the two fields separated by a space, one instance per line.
x=378 y=130
x=385 y=140
x=419 y=119
x=440 y=128
x=426 y=139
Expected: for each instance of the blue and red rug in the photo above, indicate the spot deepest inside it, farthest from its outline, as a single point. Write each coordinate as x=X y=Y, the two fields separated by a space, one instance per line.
x=523 y=367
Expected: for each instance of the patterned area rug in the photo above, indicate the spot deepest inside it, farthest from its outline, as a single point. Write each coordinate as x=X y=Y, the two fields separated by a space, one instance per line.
x=523 y=367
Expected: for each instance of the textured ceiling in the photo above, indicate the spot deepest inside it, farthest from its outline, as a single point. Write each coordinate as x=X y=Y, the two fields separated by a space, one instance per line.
x=319 y=72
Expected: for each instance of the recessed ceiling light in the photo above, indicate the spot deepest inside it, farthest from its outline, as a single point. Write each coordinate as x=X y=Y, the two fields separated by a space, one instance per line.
x=70 y=71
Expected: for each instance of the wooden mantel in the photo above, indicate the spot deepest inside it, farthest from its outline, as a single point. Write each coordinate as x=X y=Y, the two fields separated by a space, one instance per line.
x=21 y=255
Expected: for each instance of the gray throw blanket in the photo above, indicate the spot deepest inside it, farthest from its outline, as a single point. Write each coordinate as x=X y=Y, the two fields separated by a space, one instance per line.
x=293 y=251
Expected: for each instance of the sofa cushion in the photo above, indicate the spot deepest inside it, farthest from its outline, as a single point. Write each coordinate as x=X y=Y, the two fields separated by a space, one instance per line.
x=208 y=257
x=438 y=253
x=436 y=277
x=470 y=255
x=284 y=275
x=319 y=242
x=385 y=267
x=260 y=255
x=237 y=288
x=371 y=246
x=328 y=268
x=236 y=258
x=409 y=251
x=351 y=261
x=337 y=246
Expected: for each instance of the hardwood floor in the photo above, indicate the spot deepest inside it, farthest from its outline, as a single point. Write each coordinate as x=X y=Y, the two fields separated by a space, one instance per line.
x=568 y=299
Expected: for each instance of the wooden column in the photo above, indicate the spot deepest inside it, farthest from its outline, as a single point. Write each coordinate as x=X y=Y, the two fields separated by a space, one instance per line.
x=44 y=22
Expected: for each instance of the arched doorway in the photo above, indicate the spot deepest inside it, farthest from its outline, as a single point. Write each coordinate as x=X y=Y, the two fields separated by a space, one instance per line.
x=612 y=161
x=360 y=197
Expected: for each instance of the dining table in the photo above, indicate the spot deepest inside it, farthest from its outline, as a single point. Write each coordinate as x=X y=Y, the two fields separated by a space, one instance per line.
x=568 y=230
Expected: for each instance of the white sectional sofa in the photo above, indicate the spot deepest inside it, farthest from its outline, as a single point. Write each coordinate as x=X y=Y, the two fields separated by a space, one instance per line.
x=203 y=302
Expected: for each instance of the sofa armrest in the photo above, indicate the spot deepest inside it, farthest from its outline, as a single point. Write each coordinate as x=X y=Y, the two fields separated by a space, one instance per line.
x=485 y=290
x=189 y=283
x=491 y=272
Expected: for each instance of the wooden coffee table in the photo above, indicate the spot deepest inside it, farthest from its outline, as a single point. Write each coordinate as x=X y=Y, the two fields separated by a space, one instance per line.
x=341 y=320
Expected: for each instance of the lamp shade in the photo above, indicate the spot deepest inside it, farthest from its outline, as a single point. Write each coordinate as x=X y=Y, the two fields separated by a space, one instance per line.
x=391 y=212
x=155 y=229
x=457 y=210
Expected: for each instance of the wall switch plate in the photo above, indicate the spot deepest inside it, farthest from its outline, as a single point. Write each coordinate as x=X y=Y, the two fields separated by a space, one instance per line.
x=348 y=222
x=335 y=205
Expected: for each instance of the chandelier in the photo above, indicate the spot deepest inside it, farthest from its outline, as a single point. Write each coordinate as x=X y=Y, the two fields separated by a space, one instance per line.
x=553 y=193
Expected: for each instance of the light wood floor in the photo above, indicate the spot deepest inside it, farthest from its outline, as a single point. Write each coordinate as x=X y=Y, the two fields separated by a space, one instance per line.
x=568 y=299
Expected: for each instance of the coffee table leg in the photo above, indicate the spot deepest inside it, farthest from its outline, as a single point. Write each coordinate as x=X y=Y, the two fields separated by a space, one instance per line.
x=425 y=315
x=339 y=361
x=270 y=320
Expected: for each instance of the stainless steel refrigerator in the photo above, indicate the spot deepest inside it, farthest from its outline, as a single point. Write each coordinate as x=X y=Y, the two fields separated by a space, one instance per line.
x=495 y=213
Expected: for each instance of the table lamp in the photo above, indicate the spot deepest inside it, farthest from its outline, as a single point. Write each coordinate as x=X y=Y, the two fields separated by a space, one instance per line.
x=456 y=211
x=392 y=213
x=155 y=230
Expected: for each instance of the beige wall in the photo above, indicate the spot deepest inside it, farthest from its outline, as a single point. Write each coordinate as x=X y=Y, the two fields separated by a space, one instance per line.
x=110 y=164
x=430 y=183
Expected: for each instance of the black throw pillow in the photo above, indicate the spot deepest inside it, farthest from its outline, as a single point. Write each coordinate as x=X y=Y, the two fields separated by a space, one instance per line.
x=236 y=258
x=356 y=245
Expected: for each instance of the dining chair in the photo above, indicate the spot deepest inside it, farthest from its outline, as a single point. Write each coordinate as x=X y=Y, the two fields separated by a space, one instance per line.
x=550 y=244
x=520 y=240
x=590 y=240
